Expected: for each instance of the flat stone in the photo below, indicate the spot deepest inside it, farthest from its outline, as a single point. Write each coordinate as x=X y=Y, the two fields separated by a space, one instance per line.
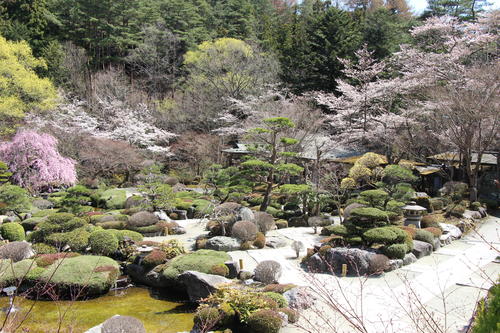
x=454 y=231
x=421 y=249
x=276 y=242
x=223 y=243
x=201 y=285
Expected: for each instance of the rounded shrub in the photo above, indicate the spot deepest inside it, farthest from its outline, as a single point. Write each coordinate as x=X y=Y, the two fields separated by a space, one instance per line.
x=339 y=230
x=384 y=235
x=155 y=258
x=278 y=298
x=133 y=235
x=264 y=321
x=424 y=236
x=268 y=271
x=435 y=231
x=395 y=251
x=369 y=217
x=431 y=220
x=219 y=269
x=12 y=231
x=436 y=204
x=260 y=241
x=455 y=210
x=103 y=242
x=206 y=317
x=42 y=248
x=244 y=231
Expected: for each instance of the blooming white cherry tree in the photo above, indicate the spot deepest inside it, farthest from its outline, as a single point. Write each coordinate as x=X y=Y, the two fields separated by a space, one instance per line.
x=115 y=121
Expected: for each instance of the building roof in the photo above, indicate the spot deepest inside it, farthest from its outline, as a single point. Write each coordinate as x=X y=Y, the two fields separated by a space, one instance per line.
x=486 y=159
x=355 y=158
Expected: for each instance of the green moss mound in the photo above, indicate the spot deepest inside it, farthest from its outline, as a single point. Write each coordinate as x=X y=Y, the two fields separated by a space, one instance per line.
x=200 y=261
x=95 y=274
x=114 y=198
x=12 y=231
x=264 y=321
x=395 y=251
x=13 y=273
x=103 y=242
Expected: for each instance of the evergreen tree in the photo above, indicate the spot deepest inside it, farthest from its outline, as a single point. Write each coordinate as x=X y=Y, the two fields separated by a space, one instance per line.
x=463 y=9
x=235 y=19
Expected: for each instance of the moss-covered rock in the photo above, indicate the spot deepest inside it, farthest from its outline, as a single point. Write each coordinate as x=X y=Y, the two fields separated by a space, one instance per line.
x=14 y=273
x=93 y=274
x=200 y=261
x=114 y=198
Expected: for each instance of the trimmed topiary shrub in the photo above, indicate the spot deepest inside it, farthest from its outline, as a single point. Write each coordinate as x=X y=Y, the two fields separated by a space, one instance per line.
x=133 y=235
x=424 y=236
x=455 y=210
x=155 y=258
x=435 y=231
x=432 y=220
x=475 y=205
x=244 y=231
x=395 y=251
x=339 y=230
x=219 y=269
x=77 y=239
x=12 y=231
x=368 y=217
x=206 y=317
x=278 y=298
x=264 y=321
x=384 y=235
x=31 y=223
x=103 y=242
x=436 y=204
x=375 y=198
x=42 y=248
x=260 y=241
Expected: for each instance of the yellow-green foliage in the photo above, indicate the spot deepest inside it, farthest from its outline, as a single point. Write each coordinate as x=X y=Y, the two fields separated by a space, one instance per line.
x=222 y=47
x=21 y=90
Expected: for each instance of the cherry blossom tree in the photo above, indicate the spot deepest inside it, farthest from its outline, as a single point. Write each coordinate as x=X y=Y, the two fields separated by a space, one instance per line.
x=115 y=121
x=35 y=162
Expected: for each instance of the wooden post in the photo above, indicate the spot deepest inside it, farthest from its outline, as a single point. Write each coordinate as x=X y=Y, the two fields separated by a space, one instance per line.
x=344 y=270
x=241 y=263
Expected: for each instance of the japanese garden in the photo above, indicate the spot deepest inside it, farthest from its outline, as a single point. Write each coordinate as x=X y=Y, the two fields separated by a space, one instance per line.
x=255 y=166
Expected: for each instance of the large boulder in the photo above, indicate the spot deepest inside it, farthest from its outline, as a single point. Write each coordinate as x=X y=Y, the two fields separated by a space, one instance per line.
x=472 y=214
x=357 y=261
x=297 y=221
x=245 y=214
x=142 y=219
x=454 y=231
x=201 y=285
x=151 y=278
x=16 y=251
x=223 y=243
x=421 y=249
x=299 y=298
x=276 y=242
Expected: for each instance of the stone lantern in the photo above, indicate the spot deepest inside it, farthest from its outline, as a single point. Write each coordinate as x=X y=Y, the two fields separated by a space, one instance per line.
x=413 y=213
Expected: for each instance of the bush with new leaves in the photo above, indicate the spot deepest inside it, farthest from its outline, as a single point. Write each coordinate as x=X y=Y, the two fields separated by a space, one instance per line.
x=395 y=251
x=265 y=321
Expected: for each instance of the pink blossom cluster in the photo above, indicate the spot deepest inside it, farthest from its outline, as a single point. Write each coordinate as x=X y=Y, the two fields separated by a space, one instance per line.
x=35 y=162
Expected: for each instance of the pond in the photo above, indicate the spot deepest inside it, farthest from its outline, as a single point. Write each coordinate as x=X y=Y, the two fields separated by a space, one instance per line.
x=156 y=313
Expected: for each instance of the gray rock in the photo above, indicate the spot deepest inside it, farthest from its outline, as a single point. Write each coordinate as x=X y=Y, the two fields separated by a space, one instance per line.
x=234 y=269
x=177 y=231
x=123 y=324
x=245 y=275
x=43 y=204
x=357 y=261
x=223 y=243
x=421 y=249
x=299 y=298
x=409 y=259
x=437 y=244
x=394 y=264
x=149 y=278
x=483 y=211
x=454 y=231
x=472 y=214
x=181 y=213
x=276 y=242
x=445 y=239
x=162 y=216
x=16 y=251
x=245 y=214
x=201 y=285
